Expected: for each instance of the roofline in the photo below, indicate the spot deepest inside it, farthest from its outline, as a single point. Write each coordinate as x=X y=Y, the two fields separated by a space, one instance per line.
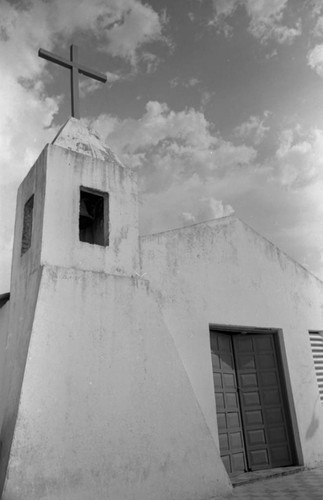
x=234 y=217
x=189 y=226
x=281 y=251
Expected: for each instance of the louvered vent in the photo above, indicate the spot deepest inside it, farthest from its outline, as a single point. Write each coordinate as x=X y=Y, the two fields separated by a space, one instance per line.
x=316 y=339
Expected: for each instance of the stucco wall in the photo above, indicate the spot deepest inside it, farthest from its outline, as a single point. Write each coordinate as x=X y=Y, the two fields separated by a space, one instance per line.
x=223 y=272
x=21 y=315
x=25 y=276
x=107 y=409
x=66 y=172
x=4 y=318
x=33 y=184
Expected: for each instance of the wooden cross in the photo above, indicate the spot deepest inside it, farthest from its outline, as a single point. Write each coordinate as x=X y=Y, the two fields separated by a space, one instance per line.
x=75 y=67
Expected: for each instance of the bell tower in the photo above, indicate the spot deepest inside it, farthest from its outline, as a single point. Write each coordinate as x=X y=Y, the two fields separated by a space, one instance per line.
x=78 y=207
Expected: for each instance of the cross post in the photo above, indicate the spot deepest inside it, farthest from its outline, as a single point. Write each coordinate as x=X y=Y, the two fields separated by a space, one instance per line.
x=75 y=68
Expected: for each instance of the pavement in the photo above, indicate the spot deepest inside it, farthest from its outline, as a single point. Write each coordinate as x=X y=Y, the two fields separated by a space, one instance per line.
x=290 y=484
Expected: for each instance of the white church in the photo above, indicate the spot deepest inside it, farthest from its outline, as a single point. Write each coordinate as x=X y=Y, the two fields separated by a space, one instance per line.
x=147 y=367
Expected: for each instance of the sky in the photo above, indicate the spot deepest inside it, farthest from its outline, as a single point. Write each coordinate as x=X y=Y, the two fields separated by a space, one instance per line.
x=218 y=104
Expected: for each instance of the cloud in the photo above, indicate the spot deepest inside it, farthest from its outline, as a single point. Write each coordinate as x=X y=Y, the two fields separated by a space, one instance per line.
x=134 y=25
x=265 y=19
x=318 y=28
x=151 y=61
x=181 y=184
x=207 y=208
x=265 y=30
x=174 y=82
x=206 y=98
x=315 y=59
x=191 y=82
x=295 y=183
x=188 y=218
x=183 y=139
x=113 y=77
x=316 y=7
x=218 y=209
x=298 y=160
x=122 y=27
x=225 y=8
x=253 y=128
x=180 y=158
x=88 y=86
x=185 y=202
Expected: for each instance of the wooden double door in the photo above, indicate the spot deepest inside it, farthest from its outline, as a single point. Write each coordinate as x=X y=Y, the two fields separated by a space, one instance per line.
x=251 y=413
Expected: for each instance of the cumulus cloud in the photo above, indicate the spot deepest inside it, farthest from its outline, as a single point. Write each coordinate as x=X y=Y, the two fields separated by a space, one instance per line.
x=183 y=137
x=316 y=7
x=122 y=27
x=281 y=198
x=113 y=77
x=191 y=82
x=254 y=128
x=88 y=86
x=218 y=209
x=299 y=158
x=318 y=28
x=265 y=19
x=132 y=26
x=295 y=182
x=208 y=208
x=315 y=59
x=180 y=158
x=188 y=201
x=191 y=16
x=188 y=218
x=268 y=29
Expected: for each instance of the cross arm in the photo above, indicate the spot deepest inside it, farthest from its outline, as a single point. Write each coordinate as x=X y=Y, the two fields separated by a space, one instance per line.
x=101 y=77
x=49 y=56
x=54 y=58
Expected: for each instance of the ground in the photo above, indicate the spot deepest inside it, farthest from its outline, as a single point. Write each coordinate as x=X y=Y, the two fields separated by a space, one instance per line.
x=305 y=484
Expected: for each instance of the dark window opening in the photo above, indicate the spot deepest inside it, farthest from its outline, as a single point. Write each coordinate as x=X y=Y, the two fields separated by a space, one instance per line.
x=27 y=225
x=94 y=217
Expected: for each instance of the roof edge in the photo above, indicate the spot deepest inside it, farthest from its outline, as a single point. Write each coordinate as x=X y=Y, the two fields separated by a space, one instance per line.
x=188 y=226
x=234 y=217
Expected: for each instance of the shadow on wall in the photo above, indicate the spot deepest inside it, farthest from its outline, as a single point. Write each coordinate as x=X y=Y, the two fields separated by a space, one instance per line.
x=314 y=425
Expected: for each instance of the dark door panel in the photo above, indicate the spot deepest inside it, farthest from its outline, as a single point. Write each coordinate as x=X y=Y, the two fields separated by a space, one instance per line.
x=250 y=409
x=262 y=406
x=227 y=403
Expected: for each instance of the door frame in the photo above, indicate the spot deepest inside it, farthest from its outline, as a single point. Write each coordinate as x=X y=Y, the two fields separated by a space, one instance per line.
x=286 y=387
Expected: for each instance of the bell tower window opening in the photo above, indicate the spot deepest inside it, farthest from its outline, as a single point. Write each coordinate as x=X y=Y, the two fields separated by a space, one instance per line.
x=27 y=227
x=94 y=217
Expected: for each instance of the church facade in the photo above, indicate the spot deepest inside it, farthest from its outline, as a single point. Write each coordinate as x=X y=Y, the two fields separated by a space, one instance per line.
x=147 y=367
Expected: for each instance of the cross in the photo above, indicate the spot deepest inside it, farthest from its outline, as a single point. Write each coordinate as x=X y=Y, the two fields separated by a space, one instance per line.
x=75 y=68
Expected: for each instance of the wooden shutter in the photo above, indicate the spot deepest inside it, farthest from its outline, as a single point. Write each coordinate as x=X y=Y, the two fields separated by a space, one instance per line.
x=316 y=339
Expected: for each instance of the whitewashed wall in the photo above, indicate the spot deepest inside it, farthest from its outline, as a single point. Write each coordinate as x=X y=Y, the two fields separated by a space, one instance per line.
x=223 y=272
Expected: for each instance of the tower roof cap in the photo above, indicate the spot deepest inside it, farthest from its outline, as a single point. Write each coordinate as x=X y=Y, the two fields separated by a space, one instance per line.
x=76 y=136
